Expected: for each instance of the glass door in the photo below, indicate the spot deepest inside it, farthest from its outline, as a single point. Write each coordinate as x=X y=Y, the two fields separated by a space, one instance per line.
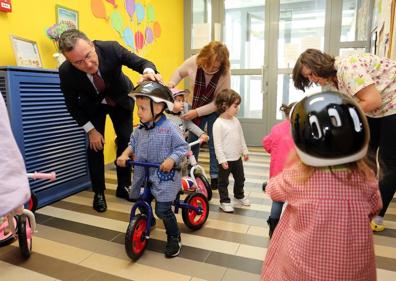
x=245 y=24
x=265 y=37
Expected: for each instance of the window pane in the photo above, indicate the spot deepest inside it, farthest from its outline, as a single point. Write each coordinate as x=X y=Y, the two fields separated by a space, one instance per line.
x=350 y=51
x=355 y=20
x=249 y=87
x=244 y=32
x=201 y=28
x=287 y=93
x=301 y=26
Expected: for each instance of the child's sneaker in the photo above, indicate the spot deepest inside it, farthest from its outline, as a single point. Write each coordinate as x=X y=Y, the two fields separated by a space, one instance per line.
x=377 y=227
x=226 y=207
x=243 y=201
x=173 y=247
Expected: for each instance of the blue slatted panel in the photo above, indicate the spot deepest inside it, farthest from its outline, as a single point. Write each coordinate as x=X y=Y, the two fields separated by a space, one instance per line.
x=3 y=88
x=47 y=136
x=52 y=139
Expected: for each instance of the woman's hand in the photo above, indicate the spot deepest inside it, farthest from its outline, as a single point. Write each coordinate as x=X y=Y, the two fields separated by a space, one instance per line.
x=121 y=160
x=190 y=115
x=167 y=165
x=204 y=138
x=225 y=165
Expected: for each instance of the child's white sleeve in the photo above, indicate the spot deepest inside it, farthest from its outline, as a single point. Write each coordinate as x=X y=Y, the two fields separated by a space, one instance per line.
x=217 y=140
x=243 y=142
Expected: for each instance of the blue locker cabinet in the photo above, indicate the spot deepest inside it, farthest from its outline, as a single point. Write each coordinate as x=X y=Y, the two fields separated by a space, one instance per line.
x=48 y=137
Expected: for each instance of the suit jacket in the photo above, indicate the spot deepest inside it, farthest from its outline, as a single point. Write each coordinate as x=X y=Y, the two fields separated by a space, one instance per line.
x=81 y=97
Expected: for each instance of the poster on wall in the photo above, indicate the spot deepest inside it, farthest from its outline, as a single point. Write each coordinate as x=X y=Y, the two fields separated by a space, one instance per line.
x=64 y=14
x=26 y=52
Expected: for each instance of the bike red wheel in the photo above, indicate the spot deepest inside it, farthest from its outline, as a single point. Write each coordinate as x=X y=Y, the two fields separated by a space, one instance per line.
x=24 y=236
x=191 y=218
x=31 y=205
x=204 y=186
x=135 y=237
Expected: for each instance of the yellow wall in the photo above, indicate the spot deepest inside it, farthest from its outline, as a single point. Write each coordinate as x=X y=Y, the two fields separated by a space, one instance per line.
x=30 y=19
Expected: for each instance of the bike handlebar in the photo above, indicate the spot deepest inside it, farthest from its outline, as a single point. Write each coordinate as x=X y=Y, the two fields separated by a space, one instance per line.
x=42 y=176
x=130 y=163
x=198 y=141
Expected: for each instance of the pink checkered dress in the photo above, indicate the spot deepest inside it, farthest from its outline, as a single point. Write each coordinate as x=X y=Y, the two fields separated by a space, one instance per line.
x=324 y=233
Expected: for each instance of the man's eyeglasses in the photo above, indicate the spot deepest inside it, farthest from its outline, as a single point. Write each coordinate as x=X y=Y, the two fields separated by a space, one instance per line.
x=88 y=56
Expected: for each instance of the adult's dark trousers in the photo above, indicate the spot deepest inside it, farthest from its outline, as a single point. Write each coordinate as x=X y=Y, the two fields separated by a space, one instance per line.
x=122 y=123
x=207 y=121
x=383 y=140
x=236 y=169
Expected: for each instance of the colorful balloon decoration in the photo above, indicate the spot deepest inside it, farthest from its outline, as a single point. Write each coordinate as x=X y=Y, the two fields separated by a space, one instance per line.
x=157 y=29
x=98 y=9
x=112 y=2
x=116 y=21
x=150 y=13
x=139 y=9
x=149 y=35
x=139 y=40
x=128 y=38
x=130 y=7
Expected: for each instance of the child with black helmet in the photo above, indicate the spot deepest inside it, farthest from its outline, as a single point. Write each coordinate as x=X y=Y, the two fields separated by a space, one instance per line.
x=157 y=140
x=324 y=233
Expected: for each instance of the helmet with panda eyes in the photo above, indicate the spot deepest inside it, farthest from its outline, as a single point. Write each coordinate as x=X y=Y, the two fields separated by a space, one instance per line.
x=329 y=128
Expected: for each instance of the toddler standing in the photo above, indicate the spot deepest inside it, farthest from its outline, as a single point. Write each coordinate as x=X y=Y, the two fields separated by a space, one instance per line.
x=324 y=233
x=230 y=145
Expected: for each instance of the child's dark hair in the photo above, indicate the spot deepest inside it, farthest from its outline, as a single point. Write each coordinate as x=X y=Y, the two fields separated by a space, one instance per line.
x=225 y=99
x=286 y=108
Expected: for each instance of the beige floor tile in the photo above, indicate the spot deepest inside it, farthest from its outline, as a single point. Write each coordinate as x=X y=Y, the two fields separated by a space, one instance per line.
x=81 y=241
x=384 y=251
x=111 y=224
x=385 y=275
x=16 y=273
x=251 y=252
x=131 y=270
x=60 y=250
x=201 y=270
x=258 y=231
x=236 y=275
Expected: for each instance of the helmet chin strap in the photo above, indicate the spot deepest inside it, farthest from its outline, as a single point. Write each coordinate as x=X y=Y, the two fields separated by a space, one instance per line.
x=151 y=125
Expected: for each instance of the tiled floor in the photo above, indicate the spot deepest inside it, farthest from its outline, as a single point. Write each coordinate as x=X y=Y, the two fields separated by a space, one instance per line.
x=76 y=243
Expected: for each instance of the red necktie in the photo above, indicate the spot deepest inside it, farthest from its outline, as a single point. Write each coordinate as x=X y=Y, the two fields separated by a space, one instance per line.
x=101 y=86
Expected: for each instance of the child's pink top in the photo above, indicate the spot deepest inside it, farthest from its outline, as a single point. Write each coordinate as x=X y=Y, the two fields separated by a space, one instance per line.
x=324 y=233
x=278 y=143
x=14 y=185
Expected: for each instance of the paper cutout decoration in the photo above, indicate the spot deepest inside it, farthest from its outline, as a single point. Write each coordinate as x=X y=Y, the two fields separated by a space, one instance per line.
x=139 y=40
x=116 y=21
x=157 y=29
x=150 y=13
x=139 y=9
x=98 y=9
x=149 y=35
x=130 y=7
x=112 y=2
x=128 y=38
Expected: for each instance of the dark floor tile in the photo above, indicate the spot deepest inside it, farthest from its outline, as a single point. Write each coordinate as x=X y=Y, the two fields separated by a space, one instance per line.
x=235 y=262
x=385 y=263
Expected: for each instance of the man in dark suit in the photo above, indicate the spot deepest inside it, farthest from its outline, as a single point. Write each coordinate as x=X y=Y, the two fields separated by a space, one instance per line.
x=94 y=86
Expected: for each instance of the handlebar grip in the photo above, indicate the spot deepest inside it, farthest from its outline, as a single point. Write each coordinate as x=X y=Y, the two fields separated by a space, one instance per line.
x=42 y=176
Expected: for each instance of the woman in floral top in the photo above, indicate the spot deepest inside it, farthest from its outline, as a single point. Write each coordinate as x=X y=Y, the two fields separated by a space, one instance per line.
x=371 y=80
